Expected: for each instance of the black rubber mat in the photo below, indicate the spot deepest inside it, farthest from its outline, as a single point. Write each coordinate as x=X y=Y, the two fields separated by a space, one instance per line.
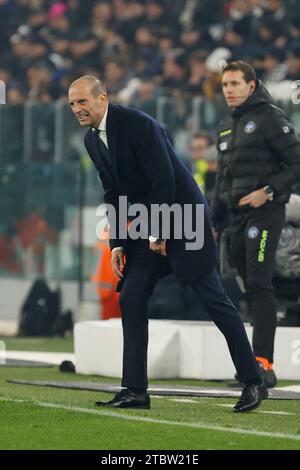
x=160 y=390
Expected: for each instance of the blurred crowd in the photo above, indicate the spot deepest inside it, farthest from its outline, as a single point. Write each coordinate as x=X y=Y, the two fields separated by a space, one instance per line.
x=143 y=49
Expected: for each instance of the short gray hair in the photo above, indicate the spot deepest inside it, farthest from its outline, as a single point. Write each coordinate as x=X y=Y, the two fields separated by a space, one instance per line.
x=95 y=85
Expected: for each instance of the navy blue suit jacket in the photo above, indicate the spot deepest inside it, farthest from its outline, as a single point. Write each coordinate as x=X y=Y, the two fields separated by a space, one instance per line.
x=145 y=168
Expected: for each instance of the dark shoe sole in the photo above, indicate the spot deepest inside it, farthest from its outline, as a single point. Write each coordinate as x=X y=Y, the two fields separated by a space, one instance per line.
x=135 y=407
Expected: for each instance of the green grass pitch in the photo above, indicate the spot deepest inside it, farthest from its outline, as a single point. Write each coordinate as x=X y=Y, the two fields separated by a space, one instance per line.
x=46 y=418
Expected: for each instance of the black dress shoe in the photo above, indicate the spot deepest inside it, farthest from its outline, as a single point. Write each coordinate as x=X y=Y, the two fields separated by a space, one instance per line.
x=127 y=399
x=251 y=398
x=268 y=376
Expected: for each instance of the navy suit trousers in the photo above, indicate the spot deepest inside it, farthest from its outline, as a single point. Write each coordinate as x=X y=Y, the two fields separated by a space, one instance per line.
x=143 y=270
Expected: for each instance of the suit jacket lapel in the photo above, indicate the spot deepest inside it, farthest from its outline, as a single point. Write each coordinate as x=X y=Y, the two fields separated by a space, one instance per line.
x=112 y=130
x=100 y=158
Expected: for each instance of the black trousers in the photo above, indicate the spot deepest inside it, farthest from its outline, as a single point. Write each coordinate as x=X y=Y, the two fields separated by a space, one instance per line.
x=254 y=238
x=142 y=273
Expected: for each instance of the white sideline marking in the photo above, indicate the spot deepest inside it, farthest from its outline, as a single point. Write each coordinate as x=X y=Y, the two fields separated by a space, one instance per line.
x=283 y=413
x=144 y=419
x=184 y=400
x=215 y=391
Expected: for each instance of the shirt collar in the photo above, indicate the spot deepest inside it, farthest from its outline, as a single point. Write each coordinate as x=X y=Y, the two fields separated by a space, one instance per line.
x=102 y=125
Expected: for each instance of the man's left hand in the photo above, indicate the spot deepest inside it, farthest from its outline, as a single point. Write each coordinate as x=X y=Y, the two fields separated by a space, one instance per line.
x=256 y=199
x=159 y=247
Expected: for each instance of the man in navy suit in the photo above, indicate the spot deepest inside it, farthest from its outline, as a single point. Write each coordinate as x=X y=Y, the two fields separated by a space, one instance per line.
x=134 y=158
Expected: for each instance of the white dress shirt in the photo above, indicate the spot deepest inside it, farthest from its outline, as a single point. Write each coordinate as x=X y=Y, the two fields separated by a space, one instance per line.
x=102 y=129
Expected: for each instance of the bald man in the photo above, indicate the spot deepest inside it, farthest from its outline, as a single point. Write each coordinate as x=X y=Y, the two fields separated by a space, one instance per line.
x=134 y=159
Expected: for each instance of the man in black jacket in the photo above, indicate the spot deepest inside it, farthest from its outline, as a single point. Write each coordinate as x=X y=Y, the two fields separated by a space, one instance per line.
x=259 y=161
x=135 y=160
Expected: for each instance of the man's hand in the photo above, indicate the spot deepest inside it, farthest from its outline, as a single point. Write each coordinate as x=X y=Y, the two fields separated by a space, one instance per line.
x=256 y=199
x=159 y=247
x=117 y=262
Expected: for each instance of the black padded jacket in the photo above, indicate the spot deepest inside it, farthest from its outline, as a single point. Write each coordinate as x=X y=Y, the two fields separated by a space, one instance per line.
x=257 y=147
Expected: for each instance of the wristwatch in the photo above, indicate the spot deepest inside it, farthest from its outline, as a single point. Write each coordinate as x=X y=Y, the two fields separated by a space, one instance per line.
x=270 y=192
